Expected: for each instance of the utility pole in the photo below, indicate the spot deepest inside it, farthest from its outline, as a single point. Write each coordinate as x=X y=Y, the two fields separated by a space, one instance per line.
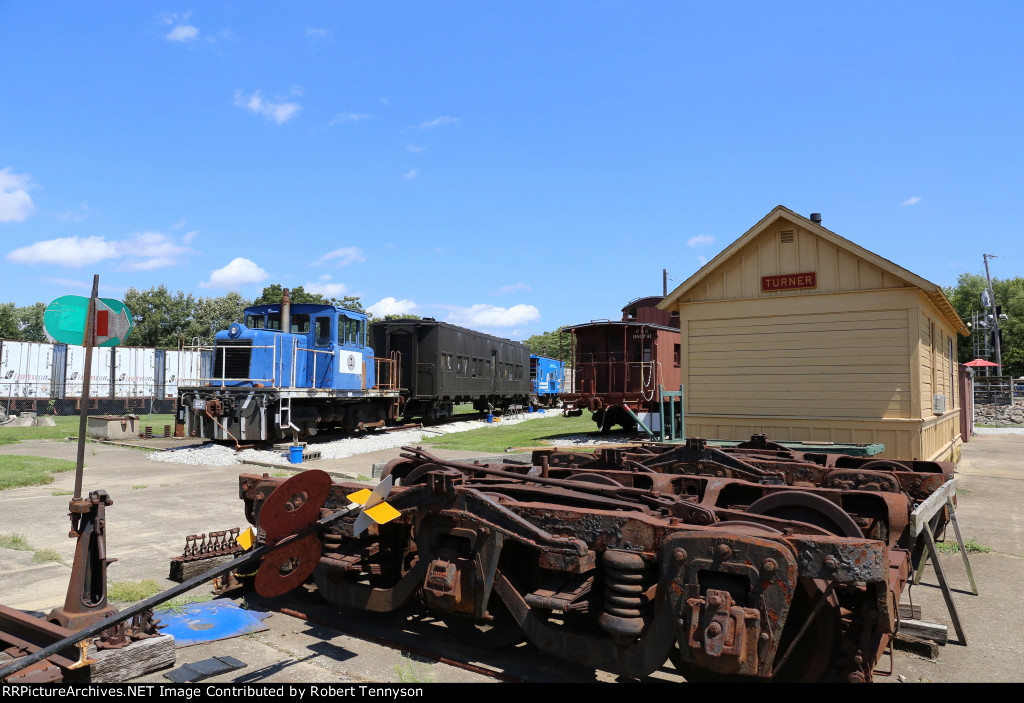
x=664 y=283
x=995 y=314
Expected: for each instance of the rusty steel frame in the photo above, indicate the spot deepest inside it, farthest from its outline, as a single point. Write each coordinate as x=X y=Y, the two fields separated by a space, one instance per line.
x=742 y=564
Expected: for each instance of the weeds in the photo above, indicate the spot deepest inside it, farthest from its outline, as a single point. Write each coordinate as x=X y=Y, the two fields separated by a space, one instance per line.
x=42 y=556
x=970 y=546
x=413 y=672
x=62 y=493
x=132 y=591
x=140 y=486
x=15 y=541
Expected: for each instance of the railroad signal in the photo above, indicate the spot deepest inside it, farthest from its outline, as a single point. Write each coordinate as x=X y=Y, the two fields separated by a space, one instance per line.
x=65 y=320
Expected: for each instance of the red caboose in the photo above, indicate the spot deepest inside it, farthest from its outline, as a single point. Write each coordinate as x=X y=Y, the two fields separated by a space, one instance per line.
x=619 y=366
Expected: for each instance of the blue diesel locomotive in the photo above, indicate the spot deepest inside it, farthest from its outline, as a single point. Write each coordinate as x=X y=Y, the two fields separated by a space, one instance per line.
x=547 y=377
x=286 y=373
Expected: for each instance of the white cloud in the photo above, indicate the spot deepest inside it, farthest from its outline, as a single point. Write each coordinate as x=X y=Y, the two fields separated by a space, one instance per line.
x=384 y=101
x=390 y=306
x=415 y=149
x=15 y=203
x=183 y=33
x=330 y=290
x=346 y=117
x=316 y=33
x=343 y=256
x=67 y=251
x=700 y=239
x=238 y=273
x=410 y=175
x=275 y=112
x=513 y=288
x=481 y=315
x=144 y=251
x=702 y=260
x=912 y=201
x=189 y=236
x=438 y=122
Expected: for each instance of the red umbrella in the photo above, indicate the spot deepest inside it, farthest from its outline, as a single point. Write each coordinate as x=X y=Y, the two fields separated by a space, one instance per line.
x=981 y=362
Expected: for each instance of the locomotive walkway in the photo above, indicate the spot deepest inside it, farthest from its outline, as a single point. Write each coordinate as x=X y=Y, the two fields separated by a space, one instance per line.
x=157 y=504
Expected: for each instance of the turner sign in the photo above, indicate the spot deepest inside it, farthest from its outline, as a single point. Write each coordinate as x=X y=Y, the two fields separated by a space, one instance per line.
x=789 y=281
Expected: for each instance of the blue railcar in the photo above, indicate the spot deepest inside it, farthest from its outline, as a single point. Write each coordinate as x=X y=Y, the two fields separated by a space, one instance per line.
x=290 y=371
x=547 y=377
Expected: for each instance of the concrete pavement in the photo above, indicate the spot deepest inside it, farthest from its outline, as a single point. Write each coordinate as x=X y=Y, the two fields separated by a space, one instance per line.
x=156 y=504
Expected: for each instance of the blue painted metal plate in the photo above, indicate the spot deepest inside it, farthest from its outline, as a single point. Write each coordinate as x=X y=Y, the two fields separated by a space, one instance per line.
x=206 y=622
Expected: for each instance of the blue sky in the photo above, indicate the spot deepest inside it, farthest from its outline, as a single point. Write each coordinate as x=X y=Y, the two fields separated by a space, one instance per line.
x=508 y=166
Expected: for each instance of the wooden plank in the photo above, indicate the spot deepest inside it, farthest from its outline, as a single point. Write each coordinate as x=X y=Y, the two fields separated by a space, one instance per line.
x=909 y=612
x=935 y=502
x=137 y=659
x=925 y=630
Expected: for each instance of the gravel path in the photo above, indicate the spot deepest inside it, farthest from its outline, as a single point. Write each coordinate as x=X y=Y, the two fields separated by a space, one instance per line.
x=219 y=455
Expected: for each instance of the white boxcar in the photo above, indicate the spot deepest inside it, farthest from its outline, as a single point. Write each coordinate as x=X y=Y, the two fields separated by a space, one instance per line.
x=26 y=369
x=134 y=372
x=99 y=380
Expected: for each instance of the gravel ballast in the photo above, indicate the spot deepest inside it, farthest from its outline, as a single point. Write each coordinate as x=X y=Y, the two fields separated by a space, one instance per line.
x=219 y=455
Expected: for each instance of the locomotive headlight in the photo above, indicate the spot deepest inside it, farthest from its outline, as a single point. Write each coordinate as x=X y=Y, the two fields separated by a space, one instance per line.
x=234 y=331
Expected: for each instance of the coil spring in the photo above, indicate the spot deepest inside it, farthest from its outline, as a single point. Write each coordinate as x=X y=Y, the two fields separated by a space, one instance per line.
x=623 y=584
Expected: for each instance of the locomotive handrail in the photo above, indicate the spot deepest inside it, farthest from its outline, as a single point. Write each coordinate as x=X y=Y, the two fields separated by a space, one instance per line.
x=314 y=351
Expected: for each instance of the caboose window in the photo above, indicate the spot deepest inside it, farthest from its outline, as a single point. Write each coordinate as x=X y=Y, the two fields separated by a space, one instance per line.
x=323 y=331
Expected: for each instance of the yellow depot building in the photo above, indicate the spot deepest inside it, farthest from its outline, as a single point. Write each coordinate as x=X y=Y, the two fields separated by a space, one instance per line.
x=797 y=333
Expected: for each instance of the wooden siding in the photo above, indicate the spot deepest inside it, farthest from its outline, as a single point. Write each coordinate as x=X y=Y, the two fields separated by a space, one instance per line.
x=830 y=364
x=837 y=270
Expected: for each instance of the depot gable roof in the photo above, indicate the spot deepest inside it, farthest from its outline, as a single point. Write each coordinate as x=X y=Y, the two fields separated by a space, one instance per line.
x=931 y=290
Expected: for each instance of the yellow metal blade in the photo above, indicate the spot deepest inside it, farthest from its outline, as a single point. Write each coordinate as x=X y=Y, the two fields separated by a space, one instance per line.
x=245 y=539
x=382 y=513
x=360 y=497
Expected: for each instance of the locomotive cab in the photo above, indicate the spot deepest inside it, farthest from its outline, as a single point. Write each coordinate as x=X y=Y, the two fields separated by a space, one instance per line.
x=288 y=370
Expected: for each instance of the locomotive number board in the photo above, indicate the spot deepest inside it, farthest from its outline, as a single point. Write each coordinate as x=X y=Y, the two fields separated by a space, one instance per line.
x=789 y=281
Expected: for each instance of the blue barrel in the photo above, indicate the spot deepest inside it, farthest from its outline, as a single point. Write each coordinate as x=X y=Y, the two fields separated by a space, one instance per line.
x=295 y=455
x=490 y=417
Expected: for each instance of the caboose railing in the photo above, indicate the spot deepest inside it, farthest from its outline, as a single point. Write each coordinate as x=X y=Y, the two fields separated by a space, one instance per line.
x=598 y=377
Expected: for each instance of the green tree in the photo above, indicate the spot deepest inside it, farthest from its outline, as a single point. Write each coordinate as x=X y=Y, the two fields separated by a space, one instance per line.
x=162 y=319
x=214 y=314
x=9 y=328
x=271 y=295
x=554 y=345
x=965 y=297
x=30 y=320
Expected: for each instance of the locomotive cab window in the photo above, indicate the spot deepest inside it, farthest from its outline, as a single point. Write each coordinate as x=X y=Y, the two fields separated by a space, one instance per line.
x=255 y=322
x=322 y=335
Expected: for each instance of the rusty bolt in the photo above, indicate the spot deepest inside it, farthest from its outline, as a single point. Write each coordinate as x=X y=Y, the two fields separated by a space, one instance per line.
x=764 y=636
x=714 y=601
x=723 y=551
x=679 y=554
x=831 y=564
x=769 y=566
x=714 y=630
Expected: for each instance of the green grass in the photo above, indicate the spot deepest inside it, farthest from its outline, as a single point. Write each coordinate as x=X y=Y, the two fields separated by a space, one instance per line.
x=132 y=591
x=17 y=471
x=413 y=672
x=177 y=605
x=68 y=427
x=18 y=543
x=970 y=546
x=140 y=486
x=62 y=493
x=44 y=555
x=15 y=541
x=533 y=433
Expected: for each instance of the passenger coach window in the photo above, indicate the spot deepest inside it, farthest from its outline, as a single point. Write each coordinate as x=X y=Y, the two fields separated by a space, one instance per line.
x=323 y=331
